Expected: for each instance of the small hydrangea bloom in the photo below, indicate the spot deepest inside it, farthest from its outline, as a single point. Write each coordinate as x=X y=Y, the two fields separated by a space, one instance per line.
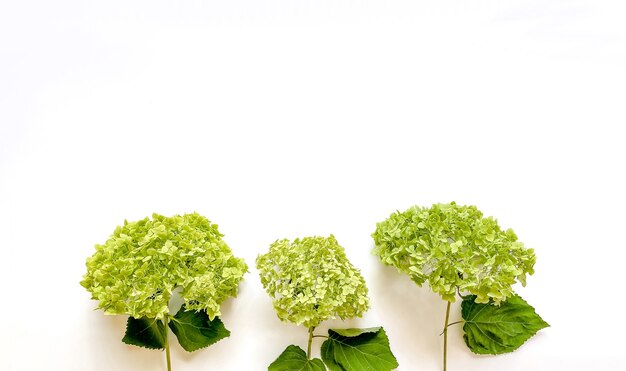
x=311 y=280
x=454 y=247
x=136 y=270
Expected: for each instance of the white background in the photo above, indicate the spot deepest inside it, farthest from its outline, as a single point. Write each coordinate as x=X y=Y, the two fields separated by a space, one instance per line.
x=292 y=118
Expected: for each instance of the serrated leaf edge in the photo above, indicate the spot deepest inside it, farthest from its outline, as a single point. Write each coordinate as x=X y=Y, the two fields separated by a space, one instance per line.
x=292 y=348
x=465 y=337
x=125 y=341
x=191 y=325
x=380 y=329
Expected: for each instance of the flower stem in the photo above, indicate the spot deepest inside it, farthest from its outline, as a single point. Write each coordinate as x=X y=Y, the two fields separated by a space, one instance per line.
x=445 y=337
x=308 y=349
x=167 y=345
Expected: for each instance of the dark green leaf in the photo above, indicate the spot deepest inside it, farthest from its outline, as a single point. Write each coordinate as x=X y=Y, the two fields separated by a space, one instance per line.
x=491 y=329
x=295 y=359
x=353 y=332
x=145 y=332
x=358 y=350
x=195 y=330
x=328 y=355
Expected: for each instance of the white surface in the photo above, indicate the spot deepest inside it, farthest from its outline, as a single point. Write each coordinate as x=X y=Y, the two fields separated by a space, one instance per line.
x=293 y=118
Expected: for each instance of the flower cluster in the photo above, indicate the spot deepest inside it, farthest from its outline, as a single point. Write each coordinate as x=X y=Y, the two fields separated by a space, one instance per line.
x=454 y=248
x=311 y=280
x=139 y=266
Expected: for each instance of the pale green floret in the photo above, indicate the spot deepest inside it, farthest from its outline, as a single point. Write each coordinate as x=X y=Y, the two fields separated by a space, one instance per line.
x=454 y=247
x=140 y=265
x=311 y=280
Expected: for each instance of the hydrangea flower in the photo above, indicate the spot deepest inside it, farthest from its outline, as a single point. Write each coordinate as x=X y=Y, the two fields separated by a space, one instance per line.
x=454 y=247
x=136 y=270
x=311 y=280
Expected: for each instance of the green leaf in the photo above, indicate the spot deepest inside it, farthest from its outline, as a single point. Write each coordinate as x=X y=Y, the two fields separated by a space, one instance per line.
x=358 y=350
x=145 y=332
x=352 y=332
x=492 y=329
x=328 y=355
x=195 y=330
x=295 y=359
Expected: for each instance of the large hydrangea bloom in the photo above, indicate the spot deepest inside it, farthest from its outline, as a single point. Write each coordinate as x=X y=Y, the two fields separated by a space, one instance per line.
x=136 y=270
x=311 y=280
x=454 y=247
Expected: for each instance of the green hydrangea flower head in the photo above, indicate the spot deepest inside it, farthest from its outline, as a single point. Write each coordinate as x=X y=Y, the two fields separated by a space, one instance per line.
x=136 y=270
x=311 y=280
x=454 y=247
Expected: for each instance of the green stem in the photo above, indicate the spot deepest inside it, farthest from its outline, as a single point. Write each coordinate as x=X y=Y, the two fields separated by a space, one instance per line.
x=445 y=337
x=167 y=344
x=308 y=349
